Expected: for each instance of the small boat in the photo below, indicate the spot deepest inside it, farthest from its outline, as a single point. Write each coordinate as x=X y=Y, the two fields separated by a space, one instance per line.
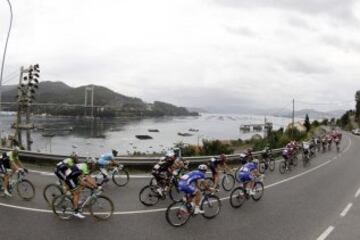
x=184 y=134
x=193 y=130
x=48 y=134
x=153 y=130
x=115 y=129
x=143 y=137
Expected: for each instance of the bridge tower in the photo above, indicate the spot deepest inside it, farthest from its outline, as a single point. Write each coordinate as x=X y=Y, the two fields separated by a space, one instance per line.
x=87 y=90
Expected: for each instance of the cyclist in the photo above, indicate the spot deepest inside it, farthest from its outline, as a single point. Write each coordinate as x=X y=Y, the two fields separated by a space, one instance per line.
x=246 y=156
x=10 y=160
x=164 y=168
x=191 y=183
x=292 y=150
x=63 y=168
x=78 y=179
x=105 y=162
x=248 y=173
x=214 y=164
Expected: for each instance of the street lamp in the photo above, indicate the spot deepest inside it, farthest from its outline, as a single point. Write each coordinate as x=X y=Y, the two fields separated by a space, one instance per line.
x=4 y=53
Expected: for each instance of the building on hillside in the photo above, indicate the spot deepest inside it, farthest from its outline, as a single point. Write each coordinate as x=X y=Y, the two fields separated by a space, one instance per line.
x=298 y=125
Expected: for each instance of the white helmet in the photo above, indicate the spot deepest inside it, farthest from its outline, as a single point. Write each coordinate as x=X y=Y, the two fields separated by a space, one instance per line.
x=256 y=161
x=91 y=160
x=202 y=167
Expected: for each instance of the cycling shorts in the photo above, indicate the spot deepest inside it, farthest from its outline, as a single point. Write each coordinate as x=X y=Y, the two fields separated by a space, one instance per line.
x=187 y=188
x=245 y=176
x=73 y=180
x=213 y=167
x=61 y=171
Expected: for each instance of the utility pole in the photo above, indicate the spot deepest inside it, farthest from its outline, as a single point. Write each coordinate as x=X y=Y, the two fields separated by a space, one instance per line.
x=25 y=97
x=293 y=120
x=86 y=100
x=18 y=134
x=92 y=102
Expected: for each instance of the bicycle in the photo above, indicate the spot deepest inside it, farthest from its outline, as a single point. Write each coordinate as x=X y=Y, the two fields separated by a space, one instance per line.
x=239 y=195
x=24 y=187
x=150 y=194
x=267 y=162
x=100 y=207
x=337 y=143
x=119 y=175
x=179 y=213
x=286 y=165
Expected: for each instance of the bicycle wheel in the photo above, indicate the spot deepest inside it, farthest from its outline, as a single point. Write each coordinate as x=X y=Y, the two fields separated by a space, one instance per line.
x=236 y=174
x=148 y=195
x=228 y=182
x=211 y=206
x=50 y=191
x=272 y=165
x=62 y=207
x=282 y=167
x=175 y=194
x=237 y=197
x=120 y=177
x=1 y=183
x=25 y=189
x=295 y=161
x=177 y=214
x=259 y=191
x=262 y=167
x=153 y=181
x=101 y=208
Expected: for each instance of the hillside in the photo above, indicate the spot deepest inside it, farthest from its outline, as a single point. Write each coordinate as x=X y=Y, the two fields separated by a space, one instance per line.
x=111 y=103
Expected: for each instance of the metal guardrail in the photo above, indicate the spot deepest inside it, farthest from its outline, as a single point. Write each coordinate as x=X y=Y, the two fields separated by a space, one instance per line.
x=127 y=160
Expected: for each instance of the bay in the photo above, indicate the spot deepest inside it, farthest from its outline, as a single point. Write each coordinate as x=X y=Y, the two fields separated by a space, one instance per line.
x=92 y=137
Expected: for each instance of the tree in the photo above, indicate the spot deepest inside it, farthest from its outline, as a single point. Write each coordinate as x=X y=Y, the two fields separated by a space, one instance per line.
x=307 y=123
x=357 y=107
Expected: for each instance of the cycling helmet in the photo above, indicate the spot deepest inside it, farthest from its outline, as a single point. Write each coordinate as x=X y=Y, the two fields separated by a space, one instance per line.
x=91 y=160
x=256 y=161
x=170 y=155
x=74 y=156
x=16 y=151
x=114 y=152
x=202 y=167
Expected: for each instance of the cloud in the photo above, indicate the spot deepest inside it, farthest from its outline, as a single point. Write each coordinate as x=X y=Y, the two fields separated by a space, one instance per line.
x=306 y=66
x=243 y=31
x=341 y=9
x=343 y=44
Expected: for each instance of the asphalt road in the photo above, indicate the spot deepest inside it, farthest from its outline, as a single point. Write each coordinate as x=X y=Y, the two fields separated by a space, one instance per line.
x=307 y=203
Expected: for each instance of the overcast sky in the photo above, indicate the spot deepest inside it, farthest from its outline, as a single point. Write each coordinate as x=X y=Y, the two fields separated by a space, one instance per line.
x=219 y=54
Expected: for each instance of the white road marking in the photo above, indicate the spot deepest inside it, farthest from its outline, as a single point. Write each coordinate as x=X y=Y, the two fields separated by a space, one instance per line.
x=357 y=193
x=164 y=209
x=326 y=233
x=346 y=210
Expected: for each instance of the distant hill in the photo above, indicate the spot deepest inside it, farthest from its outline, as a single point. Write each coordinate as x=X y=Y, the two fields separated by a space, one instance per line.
x=313 y=114
x=115 y=104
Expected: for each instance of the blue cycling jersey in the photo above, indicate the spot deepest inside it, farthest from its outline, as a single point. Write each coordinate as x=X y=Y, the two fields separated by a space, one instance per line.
x=248 y=167
x=192 y=176
x=105 y=158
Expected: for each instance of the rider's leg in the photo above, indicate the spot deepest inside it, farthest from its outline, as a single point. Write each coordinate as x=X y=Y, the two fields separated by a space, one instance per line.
x=216 y=179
